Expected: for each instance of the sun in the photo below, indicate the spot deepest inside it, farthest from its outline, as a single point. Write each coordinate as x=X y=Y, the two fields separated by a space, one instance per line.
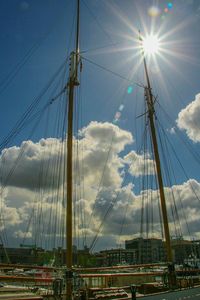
x=151 y=44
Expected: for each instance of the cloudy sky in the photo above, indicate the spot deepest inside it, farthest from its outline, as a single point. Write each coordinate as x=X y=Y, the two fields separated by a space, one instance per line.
x=113 y=199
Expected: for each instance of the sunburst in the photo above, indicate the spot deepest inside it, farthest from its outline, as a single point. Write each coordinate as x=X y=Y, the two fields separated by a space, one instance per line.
x=151 y=44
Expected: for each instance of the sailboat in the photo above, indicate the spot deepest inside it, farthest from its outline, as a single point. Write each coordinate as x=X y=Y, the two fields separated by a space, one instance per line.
x=70 y=87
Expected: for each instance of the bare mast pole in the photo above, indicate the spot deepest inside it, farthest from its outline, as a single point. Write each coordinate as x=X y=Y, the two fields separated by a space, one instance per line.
x=72 y=83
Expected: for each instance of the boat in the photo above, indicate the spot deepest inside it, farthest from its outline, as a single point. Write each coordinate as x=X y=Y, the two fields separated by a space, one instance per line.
x=73 y=274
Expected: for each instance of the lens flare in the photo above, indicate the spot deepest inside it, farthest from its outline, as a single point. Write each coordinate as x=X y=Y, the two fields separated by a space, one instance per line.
x=153 y=11
x=170 y=5
x=129 y=89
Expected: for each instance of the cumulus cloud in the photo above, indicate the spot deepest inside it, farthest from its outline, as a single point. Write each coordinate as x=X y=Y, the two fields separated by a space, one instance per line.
x=189 y=119
x=139 y=164
x=102 y=143
x=33 y=173
x=32 y=164
x=22 y=235
x=122 y=210
x=107 y=207
x=9 y=216
x=107 y=134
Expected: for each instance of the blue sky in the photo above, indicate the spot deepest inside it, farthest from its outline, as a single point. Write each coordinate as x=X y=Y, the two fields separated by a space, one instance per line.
x=38 y=36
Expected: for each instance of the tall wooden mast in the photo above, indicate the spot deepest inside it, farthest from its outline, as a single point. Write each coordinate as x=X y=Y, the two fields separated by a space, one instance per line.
x=151 y=115
x=151 y=111
x=72 y=83
x=150 y=105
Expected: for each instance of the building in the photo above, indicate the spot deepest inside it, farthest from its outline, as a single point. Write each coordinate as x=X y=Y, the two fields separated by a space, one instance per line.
x=22 y=255
x=184 y=250
x=118 y=256
x=30 y=255
x=147 y=250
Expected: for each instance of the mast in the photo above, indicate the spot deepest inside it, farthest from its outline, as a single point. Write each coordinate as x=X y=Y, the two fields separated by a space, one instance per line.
x=72 y=83
x=150 y=105
x=151 y=111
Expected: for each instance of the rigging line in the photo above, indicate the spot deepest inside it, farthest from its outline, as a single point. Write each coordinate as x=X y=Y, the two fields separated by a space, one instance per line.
x=168 y=157
x=37 y=114
x=191 y=186
x=143 y=182
x=14 y=131
x=5 y=250
x=58 y=166
x=40 y=231
x=179 y=197
x=10 y=173
x=82 y=177
x=8 y=79
x=151 y=182
x=148 y=207
x=14 y=167
x=149 y=198
x=124 y=218
x=179 y=96
x=105 y=216
x=166 y=163
x=107 y=213
x=76 y=168
x=15 y=70
x=143 y=197
x=184 y=216
x=79 y=176
x=156 y=181
x=185 y=142
x=183 y=169
x=41 y=111
x=46 y=165
x=95 y=239
x=143 y=142
x=102 y=222
x=101 y=180
x=96 y=20
x=62 y=127
x=111 y=72
x=98 y=48
x=3 y=234
x=135 y=111
x=19 y=157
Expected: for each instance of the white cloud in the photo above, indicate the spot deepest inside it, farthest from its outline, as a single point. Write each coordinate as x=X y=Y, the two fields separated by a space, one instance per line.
x=189 y=119
x=22 y=235
x=100 y=176
x=101 y=144
x=32 y=164
x=41 y=164
x=9 y=216
x=172 y=130
x=34 y=186
x=139 y=164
